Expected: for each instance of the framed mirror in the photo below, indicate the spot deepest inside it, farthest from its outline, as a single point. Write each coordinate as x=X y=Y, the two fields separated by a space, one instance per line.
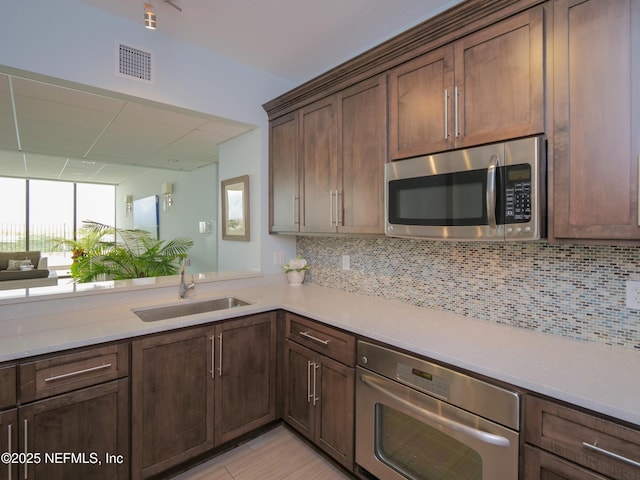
x=235 y=208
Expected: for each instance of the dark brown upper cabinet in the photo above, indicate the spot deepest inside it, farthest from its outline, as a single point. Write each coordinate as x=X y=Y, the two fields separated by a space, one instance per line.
x=488 y=86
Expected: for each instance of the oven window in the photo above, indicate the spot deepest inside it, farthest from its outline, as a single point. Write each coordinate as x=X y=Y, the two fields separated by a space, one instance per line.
x=421 y=452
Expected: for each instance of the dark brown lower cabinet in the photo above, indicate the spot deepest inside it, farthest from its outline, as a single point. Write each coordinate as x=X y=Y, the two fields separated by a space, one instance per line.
x=319 y=401
x=172 y=399
x=9 y=441
x=200 y=387
x=540 y=465
x=245 y=376
x=82 y=434
x=566 y=442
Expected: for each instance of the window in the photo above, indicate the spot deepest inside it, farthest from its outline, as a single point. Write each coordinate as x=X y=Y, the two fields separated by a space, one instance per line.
x=50 y=213
x=53 y=210
x=13 y=232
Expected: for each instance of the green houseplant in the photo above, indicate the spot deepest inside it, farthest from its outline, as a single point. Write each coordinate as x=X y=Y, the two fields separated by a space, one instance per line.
x=104 y=252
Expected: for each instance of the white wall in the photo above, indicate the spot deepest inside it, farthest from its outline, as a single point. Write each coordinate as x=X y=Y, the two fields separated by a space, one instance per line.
x=75 y=42
x=237 y=158
x=195 y=198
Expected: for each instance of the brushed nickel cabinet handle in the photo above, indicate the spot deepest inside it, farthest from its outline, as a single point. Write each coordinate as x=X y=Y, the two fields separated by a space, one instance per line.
x=213 y=356
x=10 y=450
x=315 y=383
x=331 y=207
x=315 y=339
x=309 y=395
x=220 y=356
x=26 y=447
x=609 y=454
x=296 y=210
x=446 y=114
x=78 y=372
x=456 y=93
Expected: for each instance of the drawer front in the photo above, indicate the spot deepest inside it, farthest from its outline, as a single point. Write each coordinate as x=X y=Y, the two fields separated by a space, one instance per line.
x=7 y=386
x=322 y=339
x=597 y=444
x=54 y=375
x=542 y=465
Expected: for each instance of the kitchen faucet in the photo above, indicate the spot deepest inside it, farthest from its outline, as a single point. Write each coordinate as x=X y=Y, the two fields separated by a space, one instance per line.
x=184 y=288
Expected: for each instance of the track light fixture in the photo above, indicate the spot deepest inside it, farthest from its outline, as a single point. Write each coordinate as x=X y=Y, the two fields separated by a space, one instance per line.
x=149 y=17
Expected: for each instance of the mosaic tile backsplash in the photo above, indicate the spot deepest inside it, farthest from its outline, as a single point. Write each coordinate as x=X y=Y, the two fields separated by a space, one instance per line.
x=574 y=291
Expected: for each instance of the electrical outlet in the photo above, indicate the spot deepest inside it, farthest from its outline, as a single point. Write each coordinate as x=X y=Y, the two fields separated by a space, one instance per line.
x=633 y=294
x=346 y=262
x=278 y=258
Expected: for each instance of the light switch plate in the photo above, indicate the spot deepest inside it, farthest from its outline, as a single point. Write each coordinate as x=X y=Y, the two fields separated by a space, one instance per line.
x=346 y=262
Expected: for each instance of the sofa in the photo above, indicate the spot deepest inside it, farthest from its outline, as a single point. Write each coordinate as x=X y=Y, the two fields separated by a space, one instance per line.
x=15 y=271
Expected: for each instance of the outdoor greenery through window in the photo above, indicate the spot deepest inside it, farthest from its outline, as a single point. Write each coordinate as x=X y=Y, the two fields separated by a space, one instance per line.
x=37 y=213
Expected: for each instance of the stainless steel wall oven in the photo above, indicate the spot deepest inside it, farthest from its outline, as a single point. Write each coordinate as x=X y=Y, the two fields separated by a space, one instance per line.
x=420 y=421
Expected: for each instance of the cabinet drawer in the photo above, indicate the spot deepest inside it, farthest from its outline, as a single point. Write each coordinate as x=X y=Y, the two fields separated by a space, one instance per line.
x=597 y=444
x=7 y=386
x=323 y=339
x=542 y=465
x=54 y=375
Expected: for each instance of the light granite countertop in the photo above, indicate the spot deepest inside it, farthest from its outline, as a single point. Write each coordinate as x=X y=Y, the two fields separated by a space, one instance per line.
x=597 y=377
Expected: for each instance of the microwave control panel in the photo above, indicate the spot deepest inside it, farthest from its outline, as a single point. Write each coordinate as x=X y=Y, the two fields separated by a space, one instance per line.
x=517 y=194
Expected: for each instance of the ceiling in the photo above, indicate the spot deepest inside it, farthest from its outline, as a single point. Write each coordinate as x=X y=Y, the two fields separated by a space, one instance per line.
x=66 y=134
x=294 y=39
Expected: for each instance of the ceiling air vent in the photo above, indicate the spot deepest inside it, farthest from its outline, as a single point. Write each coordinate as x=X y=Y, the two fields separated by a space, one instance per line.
x=134 y=63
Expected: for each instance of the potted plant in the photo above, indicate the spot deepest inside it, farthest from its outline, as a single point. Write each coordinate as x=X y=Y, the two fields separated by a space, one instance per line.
x=105 y=252
x=295 y=270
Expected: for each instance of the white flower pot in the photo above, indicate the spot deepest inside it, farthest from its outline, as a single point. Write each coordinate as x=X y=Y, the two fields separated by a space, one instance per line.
x=296 y=278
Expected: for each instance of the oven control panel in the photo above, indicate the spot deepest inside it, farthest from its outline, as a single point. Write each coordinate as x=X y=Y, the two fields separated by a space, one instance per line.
x=453 y=387
x=423 y=380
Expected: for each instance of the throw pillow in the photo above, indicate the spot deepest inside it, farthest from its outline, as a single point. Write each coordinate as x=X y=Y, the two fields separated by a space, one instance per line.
x=14 y=264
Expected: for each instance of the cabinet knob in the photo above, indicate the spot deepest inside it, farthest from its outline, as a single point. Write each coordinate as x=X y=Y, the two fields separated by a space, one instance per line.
x=364 y=359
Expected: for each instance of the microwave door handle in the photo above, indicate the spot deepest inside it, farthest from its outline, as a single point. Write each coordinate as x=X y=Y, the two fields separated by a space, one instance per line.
x=491 y=192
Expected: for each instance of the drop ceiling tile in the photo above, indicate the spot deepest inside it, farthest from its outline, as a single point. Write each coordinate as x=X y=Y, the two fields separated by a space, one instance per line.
x=11 y=164
x=7 y=130
x=44 y=166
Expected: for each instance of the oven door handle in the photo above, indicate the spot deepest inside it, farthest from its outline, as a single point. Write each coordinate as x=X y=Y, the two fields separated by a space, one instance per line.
x=481 y=435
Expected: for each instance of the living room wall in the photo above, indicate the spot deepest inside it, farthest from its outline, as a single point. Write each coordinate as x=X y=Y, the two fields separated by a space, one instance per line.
x=195 y=199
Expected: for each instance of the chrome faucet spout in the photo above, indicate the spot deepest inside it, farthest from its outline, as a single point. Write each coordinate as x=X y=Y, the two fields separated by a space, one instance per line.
x=183 y=288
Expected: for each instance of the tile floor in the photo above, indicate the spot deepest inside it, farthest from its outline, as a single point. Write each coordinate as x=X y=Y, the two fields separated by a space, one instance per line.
x=276 y=455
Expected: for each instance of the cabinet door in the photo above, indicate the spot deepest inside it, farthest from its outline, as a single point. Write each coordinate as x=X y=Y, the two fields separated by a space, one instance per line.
x=298 y=409
x=540 y=465
x=91 y=424
x=420 y=105
x=172 y=396
x=596 y=119
x=335 y=410
x=499 y=81
x=362 y=155
x=319 y=168
x=245 y=375
x=9 y=442
x=284 y=174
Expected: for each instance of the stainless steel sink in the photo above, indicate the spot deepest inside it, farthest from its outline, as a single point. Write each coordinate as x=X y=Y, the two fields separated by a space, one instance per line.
x=191 y=308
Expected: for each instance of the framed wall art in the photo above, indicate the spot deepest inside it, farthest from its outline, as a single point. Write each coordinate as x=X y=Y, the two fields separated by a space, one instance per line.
x=235 y=208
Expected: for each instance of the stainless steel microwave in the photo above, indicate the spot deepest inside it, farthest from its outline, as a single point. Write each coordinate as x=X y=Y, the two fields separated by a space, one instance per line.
x=493 y=192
